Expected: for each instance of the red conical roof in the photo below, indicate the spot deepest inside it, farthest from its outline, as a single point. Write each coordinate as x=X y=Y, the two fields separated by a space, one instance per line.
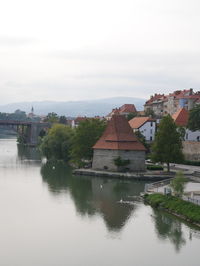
x=181 y=117
x=118 y=135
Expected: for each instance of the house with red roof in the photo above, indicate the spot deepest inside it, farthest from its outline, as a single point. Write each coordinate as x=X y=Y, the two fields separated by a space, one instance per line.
x=78 y=120
x=146 y=126
x=123 y=110
x=118 y=140
x=181 y=119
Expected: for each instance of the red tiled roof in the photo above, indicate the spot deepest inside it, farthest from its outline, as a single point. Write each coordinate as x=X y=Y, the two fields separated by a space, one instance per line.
x=119 y=136
x=181 y=117
x=127 y=108
x=155 y=97
x=137 y=122
x=181 y=94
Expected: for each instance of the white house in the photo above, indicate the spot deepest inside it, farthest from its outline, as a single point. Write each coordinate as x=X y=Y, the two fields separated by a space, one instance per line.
x=146 y=126
x=181 y=119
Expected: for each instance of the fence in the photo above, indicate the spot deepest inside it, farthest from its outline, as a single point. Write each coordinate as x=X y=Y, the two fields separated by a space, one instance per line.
x=193 y=200
x=153 y=187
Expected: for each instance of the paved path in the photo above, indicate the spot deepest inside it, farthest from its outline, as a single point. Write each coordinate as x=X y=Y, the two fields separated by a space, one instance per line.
x=186 y=167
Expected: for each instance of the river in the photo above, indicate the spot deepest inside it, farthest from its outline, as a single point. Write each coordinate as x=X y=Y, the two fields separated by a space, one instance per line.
x=51 y=218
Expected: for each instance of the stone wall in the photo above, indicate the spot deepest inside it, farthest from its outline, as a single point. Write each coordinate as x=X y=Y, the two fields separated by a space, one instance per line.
x=104 y=159
x=191 y=150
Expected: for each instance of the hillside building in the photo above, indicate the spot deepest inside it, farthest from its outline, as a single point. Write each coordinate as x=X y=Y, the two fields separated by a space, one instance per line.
x=123 y=110
x=162 y=104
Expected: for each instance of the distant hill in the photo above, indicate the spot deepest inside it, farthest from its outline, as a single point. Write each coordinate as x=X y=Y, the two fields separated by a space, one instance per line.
x=74 y=108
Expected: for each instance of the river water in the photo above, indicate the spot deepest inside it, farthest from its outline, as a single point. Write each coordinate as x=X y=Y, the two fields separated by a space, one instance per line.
x=51 y=218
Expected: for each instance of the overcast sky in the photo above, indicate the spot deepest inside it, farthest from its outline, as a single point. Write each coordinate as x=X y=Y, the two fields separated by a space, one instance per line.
x=88 y=49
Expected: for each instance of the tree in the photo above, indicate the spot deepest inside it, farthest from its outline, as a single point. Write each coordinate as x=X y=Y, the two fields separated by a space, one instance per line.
x=52 y=118
x=194 y=118
x=120 y=163
x=182 y=132
x=57 y=144
x=150 y=112
x=178 y=184
x=131 y=115
x=167 y=147
x=142 y=139
x=86 y=135
x=63 y=120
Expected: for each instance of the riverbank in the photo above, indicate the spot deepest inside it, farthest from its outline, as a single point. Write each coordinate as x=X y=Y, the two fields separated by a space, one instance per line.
x=143 y=176
x=176 y=206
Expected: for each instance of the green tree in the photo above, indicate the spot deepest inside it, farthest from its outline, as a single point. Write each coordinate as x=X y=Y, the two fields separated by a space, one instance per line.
x=194 y=118
x=182 y=132
x=131 y=116
x=167 y=147
x=120 y=163
x=178 y=184
x=52 y=118
x=63 y=120
x=86 y=135
x=142 y=139
x=57 y=143
x=150 y=112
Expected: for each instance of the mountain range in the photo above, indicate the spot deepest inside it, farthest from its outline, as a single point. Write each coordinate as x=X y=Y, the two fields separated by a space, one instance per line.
x=89 y=108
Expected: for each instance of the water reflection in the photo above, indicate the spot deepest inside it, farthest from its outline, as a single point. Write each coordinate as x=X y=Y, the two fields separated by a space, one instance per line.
x=169 y=228
x=28 y=153
x=93 y=196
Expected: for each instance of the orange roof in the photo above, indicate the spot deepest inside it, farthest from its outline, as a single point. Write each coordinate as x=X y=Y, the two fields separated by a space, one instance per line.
x=181 y=117
x=137 y=122
x=118 y=135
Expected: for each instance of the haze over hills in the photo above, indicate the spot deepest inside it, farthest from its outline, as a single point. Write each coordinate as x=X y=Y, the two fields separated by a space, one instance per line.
x=74 y=108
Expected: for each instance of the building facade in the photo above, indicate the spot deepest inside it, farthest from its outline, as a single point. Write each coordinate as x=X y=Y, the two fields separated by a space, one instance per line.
x=146 y=126
x=162 y=104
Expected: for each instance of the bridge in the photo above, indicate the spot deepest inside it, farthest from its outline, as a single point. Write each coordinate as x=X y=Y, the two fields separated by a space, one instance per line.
x=30 y=131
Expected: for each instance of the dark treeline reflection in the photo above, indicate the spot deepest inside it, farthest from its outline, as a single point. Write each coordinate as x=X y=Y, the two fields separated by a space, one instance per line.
x=93 y=196
x=167 y=227
x=28 y=153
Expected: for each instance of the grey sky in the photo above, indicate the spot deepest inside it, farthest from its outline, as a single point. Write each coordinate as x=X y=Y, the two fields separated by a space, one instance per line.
x=74 y=50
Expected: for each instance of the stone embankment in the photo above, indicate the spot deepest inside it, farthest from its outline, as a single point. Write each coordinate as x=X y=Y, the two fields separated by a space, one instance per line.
x=143 y=176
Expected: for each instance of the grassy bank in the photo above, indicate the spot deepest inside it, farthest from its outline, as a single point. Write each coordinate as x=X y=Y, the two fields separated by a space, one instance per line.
x=176 y=206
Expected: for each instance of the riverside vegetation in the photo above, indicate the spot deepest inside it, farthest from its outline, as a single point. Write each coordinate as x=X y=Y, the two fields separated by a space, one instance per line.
x=72 y=145
x=175 y=205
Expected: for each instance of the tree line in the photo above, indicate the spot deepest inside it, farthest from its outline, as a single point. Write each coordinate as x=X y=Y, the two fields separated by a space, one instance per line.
x=72 y=144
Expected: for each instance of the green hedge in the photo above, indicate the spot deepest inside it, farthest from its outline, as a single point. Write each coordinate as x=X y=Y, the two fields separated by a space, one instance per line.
x=154 y=167
x=195 y=163
x=176 y=205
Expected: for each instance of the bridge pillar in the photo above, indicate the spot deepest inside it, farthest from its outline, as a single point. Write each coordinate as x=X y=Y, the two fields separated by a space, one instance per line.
x=33 y=132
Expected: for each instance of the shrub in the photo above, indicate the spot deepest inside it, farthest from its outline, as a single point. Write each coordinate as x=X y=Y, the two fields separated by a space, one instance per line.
x=195 y=163
x=178 y=184
x=154 y=167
